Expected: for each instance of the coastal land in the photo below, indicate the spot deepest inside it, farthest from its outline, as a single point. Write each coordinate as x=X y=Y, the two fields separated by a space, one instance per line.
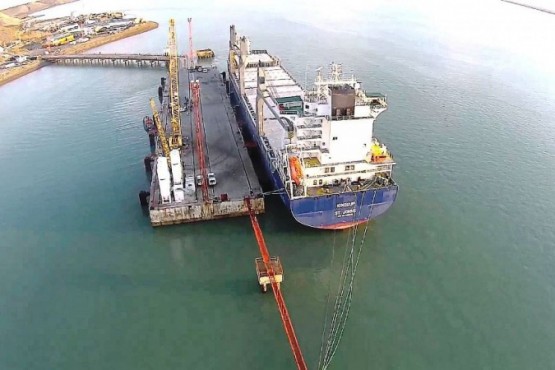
x=24 y=38
x=24 y=10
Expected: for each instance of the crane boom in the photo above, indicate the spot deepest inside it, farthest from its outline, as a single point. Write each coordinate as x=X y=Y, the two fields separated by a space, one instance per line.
x=199 y=131
x=176 y=138
x=191 y=51
x=160 y=129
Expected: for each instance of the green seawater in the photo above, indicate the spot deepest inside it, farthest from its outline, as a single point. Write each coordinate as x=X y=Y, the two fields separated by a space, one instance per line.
x=458 y=274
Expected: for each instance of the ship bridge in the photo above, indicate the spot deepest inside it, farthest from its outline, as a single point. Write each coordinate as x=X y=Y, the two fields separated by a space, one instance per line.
x=316 y=140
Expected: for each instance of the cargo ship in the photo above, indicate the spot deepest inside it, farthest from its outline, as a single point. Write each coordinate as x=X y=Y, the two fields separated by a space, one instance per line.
x=316 y=146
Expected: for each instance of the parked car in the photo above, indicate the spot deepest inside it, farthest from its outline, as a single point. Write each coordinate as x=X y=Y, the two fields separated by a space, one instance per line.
x=211 y=179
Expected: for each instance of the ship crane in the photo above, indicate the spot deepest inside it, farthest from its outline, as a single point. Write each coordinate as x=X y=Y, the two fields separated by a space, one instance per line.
x=160 y=128
x=199 y=138
x=176 y=140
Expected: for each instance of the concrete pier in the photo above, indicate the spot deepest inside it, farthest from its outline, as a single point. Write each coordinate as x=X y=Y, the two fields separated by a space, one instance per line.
x=146 y=60
x=226 y=155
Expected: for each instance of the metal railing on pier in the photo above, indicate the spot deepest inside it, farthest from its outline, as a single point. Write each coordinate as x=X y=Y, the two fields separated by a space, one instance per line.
x=153 y=60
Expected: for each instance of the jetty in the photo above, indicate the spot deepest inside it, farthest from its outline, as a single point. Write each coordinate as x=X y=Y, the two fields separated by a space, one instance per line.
x=152 y=60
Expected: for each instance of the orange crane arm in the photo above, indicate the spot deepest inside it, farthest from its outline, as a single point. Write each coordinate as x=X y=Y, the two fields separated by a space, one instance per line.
x=285 y=319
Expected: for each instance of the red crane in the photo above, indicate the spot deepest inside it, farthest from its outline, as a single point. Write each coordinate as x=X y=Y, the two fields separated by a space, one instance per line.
x=285 y=319
x=191 y=56
x=199 y=138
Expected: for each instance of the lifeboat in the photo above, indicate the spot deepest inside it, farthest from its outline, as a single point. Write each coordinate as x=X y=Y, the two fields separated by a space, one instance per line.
x=296 y=170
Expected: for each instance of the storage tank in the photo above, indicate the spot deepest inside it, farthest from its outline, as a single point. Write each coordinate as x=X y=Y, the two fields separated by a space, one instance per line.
x=164 y=181
x=177 y=168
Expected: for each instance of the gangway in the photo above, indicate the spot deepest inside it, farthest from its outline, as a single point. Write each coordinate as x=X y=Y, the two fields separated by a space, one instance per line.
x=273 y=277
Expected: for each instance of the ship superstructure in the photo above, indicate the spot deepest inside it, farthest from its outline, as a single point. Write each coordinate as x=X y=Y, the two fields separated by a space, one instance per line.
x=316 y=145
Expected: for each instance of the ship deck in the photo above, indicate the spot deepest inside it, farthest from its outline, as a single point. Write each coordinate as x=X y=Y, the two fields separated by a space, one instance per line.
x=225 y=153
x=280 y=84
x=374 y=184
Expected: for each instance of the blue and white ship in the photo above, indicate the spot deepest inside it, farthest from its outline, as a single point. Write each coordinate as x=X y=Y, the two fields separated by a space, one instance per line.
x=317 y=146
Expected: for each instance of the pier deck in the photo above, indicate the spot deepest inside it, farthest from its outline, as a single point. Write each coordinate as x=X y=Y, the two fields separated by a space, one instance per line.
x=152 y=60
x=226 y=154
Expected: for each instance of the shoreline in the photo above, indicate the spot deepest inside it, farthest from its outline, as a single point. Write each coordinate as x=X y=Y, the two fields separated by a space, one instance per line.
x=18 y=11
x=20 y=71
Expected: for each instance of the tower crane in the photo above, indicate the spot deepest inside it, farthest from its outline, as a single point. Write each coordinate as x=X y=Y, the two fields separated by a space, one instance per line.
x=176 y=140
x=161 y=131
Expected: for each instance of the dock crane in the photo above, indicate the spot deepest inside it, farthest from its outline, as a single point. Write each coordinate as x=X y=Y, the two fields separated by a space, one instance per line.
x=191 y=51
x=161 y=131
x=176 y=140
x=199 y=138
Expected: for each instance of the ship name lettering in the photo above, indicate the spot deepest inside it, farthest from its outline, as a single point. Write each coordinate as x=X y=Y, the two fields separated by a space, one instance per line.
x=345 y=212
x=344 y=205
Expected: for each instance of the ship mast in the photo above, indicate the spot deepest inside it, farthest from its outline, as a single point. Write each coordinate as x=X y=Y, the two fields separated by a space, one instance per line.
x=321 y=85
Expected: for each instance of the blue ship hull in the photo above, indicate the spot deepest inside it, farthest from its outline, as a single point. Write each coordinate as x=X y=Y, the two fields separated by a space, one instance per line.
x=331 y=211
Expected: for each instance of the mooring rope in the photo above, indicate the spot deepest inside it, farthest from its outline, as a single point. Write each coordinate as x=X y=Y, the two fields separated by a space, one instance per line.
x=344 y=295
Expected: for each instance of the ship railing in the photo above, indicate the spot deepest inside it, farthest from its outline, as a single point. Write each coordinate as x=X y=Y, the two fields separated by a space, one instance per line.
x=348 y=174
x=317 y=127
x=387 y=158
x=264 y=51
x=383 y=164
x=307 y=131
x=309 y=137
x=309 y=123
x=343 y=118
x=378 y=182
x=313 y=148
x=273 y=63
x=385 y=167
x=372 y=103
x=310 y=147
x=315 y=99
